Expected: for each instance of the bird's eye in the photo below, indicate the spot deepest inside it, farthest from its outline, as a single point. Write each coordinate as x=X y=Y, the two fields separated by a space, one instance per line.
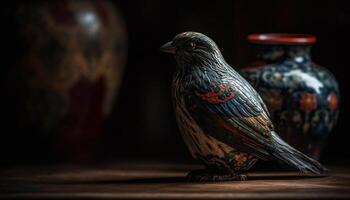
x=191 y=45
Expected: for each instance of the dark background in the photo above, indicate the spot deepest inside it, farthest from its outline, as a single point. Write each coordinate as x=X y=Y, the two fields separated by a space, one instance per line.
x=142 y=123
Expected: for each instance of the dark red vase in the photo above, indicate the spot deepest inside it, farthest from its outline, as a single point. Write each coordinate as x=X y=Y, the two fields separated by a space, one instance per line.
x=302 y=97
x=62 y=76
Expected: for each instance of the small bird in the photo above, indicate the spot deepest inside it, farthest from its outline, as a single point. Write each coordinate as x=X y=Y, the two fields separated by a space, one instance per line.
x=222 y=119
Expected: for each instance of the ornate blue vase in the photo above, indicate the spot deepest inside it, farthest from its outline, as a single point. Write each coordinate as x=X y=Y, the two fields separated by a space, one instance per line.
x=302 y=97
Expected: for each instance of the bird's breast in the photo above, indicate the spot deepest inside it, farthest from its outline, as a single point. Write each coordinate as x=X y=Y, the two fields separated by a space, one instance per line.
x=201 y=145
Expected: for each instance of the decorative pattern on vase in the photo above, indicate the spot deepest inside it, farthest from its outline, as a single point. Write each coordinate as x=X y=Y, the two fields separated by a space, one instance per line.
x=302 y=97
x=68 y=70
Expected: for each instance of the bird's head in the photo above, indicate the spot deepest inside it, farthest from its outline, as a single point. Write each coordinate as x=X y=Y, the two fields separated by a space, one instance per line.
x=192 y=48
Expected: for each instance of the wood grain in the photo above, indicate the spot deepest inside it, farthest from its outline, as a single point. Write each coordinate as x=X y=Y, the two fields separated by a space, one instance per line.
x=133 y=180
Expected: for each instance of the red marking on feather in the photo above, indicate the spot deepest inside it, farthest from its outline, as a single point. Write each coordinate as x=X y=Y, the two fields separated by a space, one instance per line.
x=240 y=158
x=214 y=97
x=235 y=130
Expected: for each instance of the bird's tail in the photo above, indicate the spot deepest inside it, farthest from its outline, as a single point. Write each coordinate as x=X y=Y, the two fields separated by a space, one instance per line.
x=295 y=158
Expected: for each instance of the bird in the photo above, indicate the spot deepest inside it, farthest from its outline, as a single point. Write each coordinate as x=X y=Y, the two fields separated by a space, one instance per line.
x=222 y=119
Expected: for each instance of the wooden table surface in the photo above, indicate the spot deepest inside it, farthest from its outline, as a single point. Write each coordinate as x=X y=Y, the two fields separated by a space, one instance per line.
x=161 y=181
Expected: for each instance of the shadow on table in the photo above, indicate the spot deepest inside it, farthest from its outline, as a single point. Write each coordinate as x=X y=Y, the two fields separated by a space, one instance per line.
x=154 y=180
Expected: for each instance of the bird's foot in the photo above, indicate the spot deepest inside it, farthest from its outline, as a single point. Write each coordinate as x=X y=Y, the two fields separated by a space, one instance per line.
x=204 y=175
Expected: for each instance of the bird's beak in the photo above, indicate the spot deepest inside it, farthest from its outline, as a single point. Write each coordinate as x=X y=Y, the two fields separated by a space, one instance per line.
x=168 y=48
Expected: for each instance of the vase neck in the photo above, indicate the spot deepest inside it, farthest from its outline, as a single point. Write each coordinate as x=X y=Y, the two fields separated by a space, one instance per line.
x=275 y=53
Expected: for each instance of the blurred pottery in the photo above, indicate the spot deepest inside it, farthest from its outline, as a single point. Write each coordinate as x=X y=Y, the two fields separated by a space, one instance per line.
x=302 y=97
x=66 y=66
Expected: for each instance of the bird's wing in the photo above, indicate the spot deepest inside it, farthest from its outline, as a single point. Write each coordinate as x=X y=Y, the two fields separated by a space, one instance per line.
x=232 y=112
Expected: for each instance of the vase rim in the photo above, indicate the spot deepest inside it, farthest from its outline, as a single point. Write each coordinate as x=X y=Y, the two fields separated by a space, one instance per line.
x=282 y=38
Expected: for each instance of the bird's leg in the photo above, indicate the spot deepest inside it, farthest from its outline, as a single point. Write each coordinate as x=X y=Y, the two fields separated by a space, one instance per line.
x=210 y=175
